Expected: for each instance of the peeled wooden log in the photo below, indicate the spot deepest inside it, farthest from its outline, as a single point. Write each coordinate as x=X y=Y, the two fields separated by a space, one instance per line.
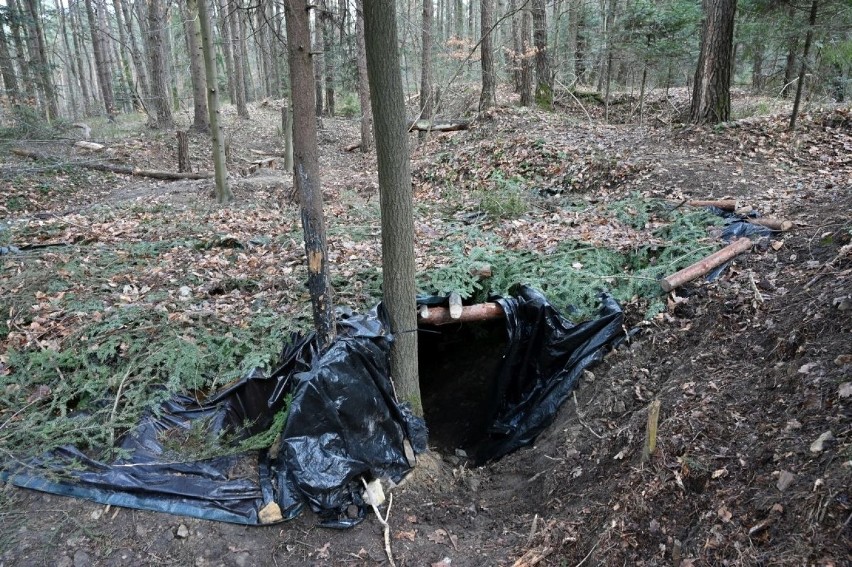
x=773 y=224
x=724 y=204
x=703 y=266
x=469 y=314
x=441 y=126
x=93 y=146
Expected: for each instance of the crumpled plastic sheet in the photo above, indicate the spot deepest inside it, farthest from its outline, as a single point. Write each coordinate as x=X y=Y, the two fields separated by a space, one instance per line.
x=344 y=423
x=736 y=226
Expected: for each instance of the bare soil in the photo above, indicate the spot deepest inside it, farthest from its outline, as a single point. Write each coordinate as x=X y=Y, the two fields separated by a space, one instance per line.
x=750 y=371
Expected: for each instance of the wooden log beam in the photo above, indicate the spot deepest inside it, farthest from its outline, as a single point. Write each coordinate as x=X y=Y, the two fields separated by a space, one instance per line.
x=469 y=313
x=441 y=126
x=123 y=170
x=704 y=265
x=724 y=204
x=774 y=224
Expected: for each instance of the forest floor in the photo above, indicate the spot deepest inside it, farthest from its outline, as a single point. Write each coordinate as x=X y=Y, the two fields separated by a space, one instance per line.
x=753 y=371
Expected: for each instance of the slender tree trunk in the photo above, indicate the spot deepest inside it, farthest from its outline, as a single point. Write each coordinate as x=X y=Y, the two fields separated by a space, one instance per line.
x=124 y=54
x=792 y=49
x=160 y=95
x=544 y=82
x=488 y=97
x=804 y=68
x=306 y=167
x=78 y=57
x=757 y=68
x=319 y=62
x=711 y=95
x=241 y=41
x=426 y=98
x=573 y=29
x=7 y=66
x=328 y=58
x=194 y=48
x=20 y=54
x=363 y=81
x=227 y=49
x=398 y=286
x=526 y=58
x=42 y=63
x=223 y=191
x=143 y=91
x=240 y=61
x=101 y=62
x=517 y=46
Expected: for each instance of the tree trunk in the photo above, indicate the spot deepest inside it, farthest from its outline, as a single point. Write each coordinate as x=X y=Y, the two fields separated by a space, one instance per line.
x=192 y=30
x=144 y=90
x=160 y=93
x=426 y=100
x=227 y=48
x=526 y=58
x=306 y=177
x=70 y=69
x=78 y=58
x=7 y=66
x=792 y=49
x=240 y=62
x=711 y=95
x=319 y=62
x=363 y=81
x=517 y=46
x=101 y=62
x=124 y=57
x=20 y=54
x=183 y=150
x=248 y=81
x=287 y=132
x=804 y=67
x=488 y=97
x=328 y=57
x=42 y=63
x=398 y=269
x=544 y=82
x=223 y=191
x=573 y=29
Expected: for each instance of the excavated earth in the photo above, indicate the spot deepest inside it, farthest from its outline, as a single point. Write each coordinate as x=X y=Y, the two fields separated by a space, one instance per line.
x=753 y=459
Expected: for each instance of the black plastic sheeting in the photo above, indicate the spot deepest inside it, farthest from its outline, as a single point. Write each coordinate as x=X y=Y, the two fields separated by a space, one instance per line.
x=344 y=423
x=736 y=226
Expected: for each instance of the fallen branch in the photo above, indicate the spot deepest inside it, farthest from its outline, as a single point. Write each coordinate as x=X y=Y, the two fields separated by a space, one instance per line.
x=469 y=314
x=703 y=266
x=352 y=147
x=155 y=174
x=429 y=126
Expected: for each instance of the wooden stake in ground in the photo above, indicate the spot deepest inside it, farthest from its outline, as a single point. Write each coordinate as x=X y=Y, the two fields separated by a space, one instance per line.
x=703 y=266
x=183 y=151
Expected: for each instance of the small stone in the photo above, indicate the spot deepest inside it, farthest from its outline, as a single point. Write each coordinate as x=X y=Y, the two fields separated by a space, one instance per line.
x=461 y=453
x=845 y=390
x=588 y=376
x=819 y=445
x=785 y=479
x=654 y=526
x=242 y=559
x=270 y=514
x=82 y=559
x=64 y=561
x=352 y=511
x=185 y=291
x=843 y=359
x=182 y=532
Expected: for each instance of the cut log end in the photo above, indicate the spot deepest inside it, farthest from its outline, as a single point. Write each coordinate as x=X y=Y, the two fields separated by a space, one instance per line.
x=468 y=314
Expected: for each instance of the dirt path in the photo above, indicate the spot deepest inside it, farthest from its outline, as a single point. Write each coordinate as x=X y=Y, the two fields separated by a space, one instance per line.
x=750 y=371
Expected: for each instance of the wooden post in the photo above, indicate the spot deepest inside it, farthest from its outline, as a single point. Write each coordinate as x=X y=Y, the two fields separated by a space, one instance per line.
x=183 y=151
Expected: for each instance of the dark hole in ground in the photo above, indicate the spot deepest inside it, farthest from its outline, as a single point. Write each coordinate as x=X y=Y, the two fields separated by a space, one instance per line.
x=458 y=364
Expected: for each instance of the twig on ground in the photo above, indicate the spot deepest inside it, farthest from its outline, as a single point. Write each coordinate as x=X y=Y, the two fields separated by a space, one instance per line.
x=384 y=523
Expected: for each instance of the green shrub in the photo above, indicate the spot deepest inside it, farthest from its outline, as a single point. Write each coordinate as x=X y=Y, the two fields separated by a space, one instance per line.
x=349 y=106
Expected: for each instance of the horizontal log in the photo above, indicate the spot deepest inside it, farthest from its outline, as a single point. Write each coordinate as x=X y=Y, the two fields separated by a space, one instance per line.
x=469 y=313
x=704 y=265
x=441 y=126
x=724 y=204
x=774 y=224
x=123 y=170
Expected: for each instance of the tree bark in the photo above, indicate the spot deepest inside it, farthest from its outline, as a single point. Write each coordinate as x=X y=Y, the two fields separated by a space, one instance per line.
x=397 y=215
x=328 y=58
x=7 y=66
x=240 y=62
x=42 y=63
x=20 y=53
x=124 y=54
x=573 y=31
x=426 y=99
x=160 y=93
x=363 y=81
x=223 y=191
x=543 y=80
x=101 y=62
x=526 y=58
x=78 y=58
x=703 y=266
x=711 y=95
x=183 y=150
x=144 y=90
x=319 y=62
x=192 y=29
x=227 y=48
x=488 y=97
x=792 y=49
x=306 y=177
